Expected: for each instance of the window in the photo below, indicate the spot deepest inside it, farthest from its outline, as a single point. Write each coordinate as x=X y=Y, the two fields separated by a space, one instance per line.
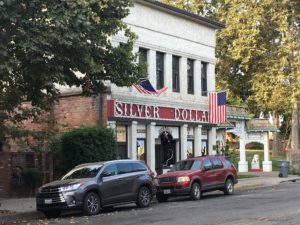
x=140 y=147
x=187 y=165
x=159 y=70
x=190 y=76
x=204 y=79
x=110 y=170
x=143 y=57
x=124 y=168
x=137 y=167
x=175 y=73
x=217 y=164
x=207 y=164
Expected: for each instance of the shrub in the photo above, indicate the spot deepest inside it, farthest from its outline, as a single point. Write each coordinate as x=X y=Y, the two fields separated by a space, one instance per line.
x=84 y=145
x=32 y=178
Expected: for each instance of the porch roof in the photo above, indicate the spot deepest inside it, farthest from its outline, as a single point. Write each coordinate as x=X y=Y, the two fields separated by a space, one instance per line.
x=227 y=125
x=237 y=112
x=260 y=125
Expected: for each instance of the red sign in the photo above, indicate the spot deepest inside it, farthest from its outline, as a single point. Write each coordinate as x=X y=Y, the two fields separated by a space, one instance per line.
x=120 y=109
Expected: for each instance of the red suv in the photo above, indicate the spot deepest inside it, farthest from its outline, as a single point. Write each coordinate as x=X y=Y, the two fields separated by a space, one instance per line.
x=195 y=176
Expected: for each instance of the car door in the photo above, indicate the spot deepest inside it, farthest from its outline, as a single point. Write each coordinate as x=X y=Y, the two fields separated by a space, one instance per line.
x=219 y=172
x=126 y=181
x=109 y=182
x=208 y=174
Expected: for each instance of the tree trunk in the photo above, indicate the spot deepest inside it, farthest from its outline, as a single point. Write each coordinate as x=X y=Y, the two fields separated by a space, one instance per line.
x=275 y=145
x=295 y=127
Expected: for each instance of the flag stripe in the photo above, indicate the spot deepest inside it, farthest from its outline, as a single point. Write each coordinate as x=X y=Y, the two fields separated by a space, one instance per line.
x=145 y=87
x=217 y=107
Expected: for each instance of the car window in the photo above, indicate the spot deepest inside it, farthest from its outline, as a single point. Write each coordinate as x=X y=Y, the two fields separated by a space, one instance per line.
x=138 y=167
x=187 y=165
x=207 y=164
x=110 y=170
x=82 y=172
x=124 y=168
x=217 y=164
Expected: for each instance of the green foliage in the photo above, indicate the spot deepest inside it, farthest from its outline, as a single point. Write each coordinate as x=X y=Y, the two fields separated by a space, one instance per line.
x=255 y=146
x=84 y=145
x=32 y=178
x=67 y=42
x=232 y=155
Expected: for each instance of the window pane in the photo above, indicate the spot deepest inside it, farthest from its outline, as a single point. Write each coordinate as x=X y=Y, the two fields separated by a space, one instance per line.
x=137 y=167
x=111 y=170
x=124 y=168
x=175 y=71
x=204 y=78
x=141 y=149
x=190 y=76
x=143 y=58
x=159 y=70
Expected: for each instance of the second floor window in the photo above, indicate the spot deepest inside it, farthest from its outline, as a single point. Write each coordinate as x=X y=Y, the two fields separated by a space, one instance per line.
x=175 y=73
x=143 y=58
x=190 y=76
x=203 y=78
x=159 y=70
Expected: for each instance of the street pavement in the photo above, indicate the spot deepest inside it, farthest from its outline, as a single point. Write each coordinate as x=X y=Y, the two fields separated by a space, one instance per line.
x=26 y=206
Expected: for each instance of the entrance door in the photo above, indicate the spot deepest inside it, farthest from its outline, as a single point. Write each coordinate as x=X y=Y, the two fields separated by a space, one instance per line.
x=165 y=155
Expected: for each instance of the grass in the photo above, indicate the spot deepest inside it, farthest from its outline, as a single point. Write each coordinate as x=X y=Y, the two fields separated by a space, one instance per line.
x=242 y=176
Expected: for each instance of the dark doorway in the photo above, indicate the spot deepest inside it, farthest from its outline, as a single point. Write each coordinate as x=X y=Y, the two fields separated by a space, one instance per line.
x=165 y=153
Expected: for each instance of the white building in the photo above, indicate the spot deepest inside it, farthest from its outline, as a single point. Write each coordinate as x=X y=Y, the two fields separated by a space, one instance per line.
x=179 y=48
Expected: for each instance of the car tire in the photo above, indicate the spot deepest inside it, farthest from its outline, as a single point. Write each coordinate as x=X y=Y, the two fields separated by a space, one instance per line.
x=195 y=191
x=229 y=187
x=144 y=197
x=52 y=213
x=91 y=204
x=161 y=198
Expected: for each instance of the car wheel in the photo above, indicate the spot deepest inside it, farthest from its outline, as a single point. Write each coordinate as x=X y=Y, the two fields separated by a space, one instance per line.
x=229 y=187
x=144 y=197
x=52 y=213
x=161 y=198
x=91 y=204
x=195 y=191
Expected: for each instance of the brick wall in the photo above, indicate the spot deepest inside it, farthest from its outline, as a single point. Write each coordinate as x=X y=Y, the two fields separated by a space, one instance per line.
x=76 y=111
x=11 y=165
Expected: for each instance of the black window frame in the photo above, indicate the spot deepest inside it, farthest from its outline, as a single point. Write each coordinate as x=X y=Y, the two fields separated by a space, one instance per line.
x=190 y=76
x=204 y=66
x=160 y=70
x=175 y=73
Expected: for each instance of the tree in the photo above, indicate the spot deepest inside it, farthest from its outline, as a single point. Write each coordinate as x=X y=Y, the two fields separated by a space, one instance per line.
x=46 y=43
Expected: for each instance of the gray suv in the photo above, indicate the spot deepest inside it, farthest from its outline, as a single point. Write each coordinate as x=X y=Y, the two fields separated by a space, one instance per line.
x=92 y=186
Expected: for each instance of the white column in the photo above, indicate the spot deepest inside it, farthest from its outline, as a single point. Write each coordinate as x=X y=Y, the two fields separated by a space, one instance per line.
x=152 y=67
x=243 y=164
x=197 y=78
x=183 y=75
x=132 y=140
x=183 y=141
x=212 y=140
x=151 y=146
x=168 y=72
x=211 y=80
x=267 y=164
x=197 y=140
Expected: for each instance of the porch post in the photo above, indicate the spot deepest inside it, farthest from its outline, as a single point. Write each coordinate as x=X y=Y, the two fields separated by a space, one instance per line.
x=198 y=140
x=267 y=164
x=243 y=164
x=151 y=146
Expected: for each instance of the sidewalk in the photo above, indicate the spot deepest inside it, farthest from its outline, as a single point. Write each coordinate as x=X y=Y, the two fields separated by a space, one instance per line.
x=26 y=205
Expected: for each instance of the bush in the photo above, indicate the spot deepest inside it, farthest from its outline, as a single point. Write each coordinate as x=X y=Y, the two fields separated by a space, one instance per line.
x=255 y=146
x=84 y=145
x=33 y=178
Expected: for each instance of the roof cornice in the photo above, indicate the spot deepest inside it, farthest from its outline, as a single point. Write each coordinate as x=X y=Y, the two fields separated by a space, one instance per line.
x=182 y=13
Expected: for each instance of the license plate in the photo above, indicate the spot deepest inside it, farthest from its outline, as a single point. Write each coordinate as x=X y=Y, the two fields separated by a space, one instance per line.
x=167 y=191
x=48 y=201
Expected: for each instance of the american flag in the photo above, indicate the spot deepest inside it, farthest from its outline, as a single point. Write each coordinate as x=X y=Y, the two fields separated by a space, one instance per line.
x=145 y=87
x=217 y=107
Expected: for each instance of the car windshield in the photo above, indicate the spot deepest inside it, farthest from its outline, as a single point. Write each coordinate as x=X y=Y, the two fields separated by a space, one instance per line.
x=187 y=165
x=82 y=172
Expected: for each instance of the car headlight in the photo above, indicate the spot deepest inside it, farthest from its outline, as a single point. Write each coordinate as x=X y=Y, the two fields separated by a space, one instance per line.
x=155 y=181
x=72 y=187
x=183 y=179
